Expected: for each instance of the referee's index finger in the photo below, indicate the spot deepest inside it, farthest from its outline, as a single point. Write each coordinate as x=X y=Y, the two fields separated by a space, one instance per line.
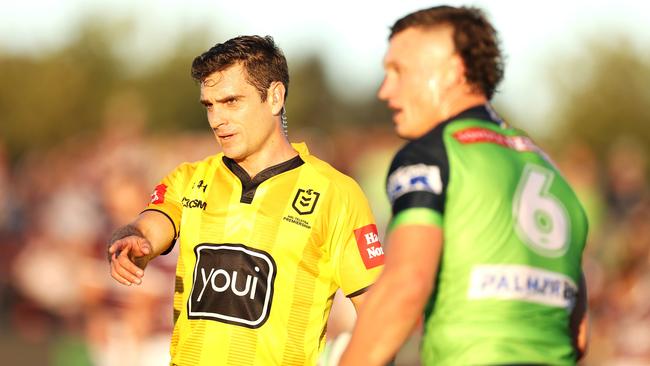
x=119 y=244
x=113 y=248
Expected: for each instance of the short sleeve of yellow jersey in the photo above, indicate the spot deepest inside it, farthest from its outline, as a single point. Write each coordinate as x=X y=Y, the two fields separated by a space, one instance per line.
x=357 y=253
x=166 y=197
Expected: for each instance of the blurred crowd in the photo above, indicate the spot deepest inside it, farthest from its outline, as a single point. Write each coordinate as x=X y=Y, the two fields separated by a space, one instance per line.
x=615 y=191
x=58 y=207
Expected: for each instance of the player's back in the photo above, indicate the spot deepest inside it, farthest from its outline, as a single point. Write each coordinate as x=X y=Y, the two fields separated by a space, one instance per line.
x=514 y=232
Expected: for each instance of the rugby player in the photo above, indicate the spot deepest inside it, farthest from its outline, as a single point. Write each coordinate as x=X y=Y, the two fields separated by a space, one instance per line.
x=486 y=236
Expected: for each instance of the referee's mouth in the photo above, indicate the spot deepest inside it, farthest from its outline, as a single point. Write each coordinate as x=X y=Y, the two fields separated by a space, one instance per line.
x=225 y=136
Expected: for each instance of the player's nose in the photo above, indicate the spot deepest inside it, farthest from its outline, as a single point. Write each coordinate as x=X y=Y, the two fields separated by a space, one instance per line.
x=385 y=90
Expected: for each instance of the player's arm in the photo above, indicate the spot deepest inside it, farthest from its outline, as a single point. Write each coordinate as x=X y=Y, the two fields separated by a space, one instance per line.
x=132 y=246
x=579 y=320
x=395 y=302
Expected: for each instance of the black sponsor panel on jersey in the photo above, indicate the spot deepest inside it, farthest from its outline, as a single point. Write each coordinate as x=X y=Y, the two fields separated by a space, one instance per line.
x=232 y=284
x=419 y=173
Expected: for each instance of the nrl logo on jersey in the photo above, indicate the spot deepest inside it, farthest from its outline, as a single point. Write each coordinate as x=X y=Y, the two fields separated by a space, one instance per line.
x=305 y=201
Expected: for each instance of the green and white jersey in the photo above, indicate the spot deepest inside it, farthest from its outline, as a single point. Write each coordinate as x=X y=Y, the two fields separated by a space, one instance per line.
x=514 y=233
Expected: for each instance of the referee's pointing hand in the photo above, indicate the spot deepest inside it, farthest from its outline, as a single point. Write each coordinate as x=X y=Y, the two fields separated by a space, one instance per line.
x=128 y=257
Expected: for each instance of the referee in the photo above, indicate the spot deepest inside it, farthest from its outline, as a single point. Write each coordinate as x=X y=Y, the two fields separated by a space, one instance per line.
x=267 y=233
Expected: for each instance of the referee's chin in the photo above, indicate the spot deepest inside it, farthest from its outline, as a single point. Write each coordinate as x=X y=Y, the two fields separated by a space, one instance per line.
x=232 y=151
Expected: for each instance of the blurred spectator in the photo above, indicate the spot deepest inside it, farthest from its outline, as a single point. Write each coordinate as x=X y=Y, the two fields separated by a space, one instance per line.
x=628 y=183
x=615 y=193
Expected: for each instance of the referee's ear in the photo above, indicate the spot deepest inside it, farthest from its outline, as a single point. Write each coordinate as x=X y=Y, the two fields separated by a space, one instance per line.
x=275 y=97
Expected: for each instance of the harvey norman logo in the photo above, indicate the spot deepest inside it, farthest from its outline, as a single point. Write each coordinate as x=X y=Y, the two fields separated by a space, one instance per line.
x=369 y=246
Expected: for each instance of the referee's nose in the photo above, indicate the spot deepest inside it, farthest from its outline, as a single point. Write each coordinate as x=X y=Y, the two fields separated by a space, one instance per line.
x=216 y=120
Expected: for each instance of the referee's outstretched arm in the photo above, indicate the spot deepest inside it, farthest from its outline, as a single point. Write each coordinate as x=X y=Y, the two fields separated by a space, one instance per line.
x=132 y=246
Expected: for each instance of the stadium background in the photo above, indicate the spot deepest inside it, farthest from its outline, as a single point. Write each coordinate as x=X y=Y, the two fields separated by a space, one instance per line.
x=96 y=104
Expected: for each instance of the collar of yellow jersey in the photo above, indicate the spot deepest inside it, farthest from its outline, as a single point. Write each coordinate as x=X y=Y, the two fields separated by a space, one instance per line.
x=300 y=147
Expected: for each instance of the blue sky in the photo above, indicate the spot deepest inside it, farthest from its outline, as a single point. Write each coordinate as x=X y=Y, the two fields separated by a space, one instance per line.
x=349 y=35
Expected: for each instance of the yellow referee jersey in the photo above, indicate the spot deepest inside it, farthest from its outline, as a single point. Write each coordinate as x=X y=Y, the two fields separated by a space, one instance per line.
x=260 y=259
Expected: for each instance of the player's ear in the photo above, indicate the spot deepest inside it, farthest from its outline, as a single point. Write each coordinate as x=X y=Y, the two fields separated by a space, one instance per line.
x=456 y=71
x=275 y=96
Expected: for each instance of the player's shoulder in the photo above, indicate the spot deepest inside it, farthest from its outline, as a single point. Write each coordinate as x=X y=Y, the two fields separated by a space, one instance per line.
x=433 y=146
x=427 y=149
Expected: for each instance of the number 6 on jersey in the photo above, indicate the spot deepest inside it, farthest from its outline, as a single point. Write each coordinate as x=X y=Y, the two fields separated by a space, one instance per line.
x=541 y=219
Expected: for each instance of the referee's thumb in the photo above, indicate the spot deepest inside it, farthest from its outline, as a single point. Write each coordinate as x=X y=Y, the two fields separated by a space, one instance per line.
x=144 y=246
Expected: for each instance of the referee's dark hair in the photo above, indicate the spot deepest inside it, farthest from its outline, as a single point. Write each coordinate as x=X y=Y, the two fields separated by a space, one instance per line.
x=262 y=60
x=475 y=40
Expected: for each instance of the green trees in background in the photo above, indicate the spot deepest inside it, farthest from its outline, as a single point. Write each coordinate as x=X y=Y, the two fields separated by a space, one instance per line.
x=50 y=96
x=603 y=94
x=79 y=88
x=47 y=98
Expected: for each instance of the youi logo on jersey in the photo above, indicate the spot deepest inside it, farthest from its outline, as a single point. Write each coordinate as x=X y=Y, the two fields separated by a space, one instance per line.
x=369 y=246
x=232 y=284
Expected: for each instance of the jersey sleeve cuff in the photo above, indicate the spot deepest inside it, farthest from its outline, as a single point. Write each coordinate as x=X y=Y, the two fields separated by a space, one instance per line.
x=358 y=292
x=416 y=216
x=171 y=245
